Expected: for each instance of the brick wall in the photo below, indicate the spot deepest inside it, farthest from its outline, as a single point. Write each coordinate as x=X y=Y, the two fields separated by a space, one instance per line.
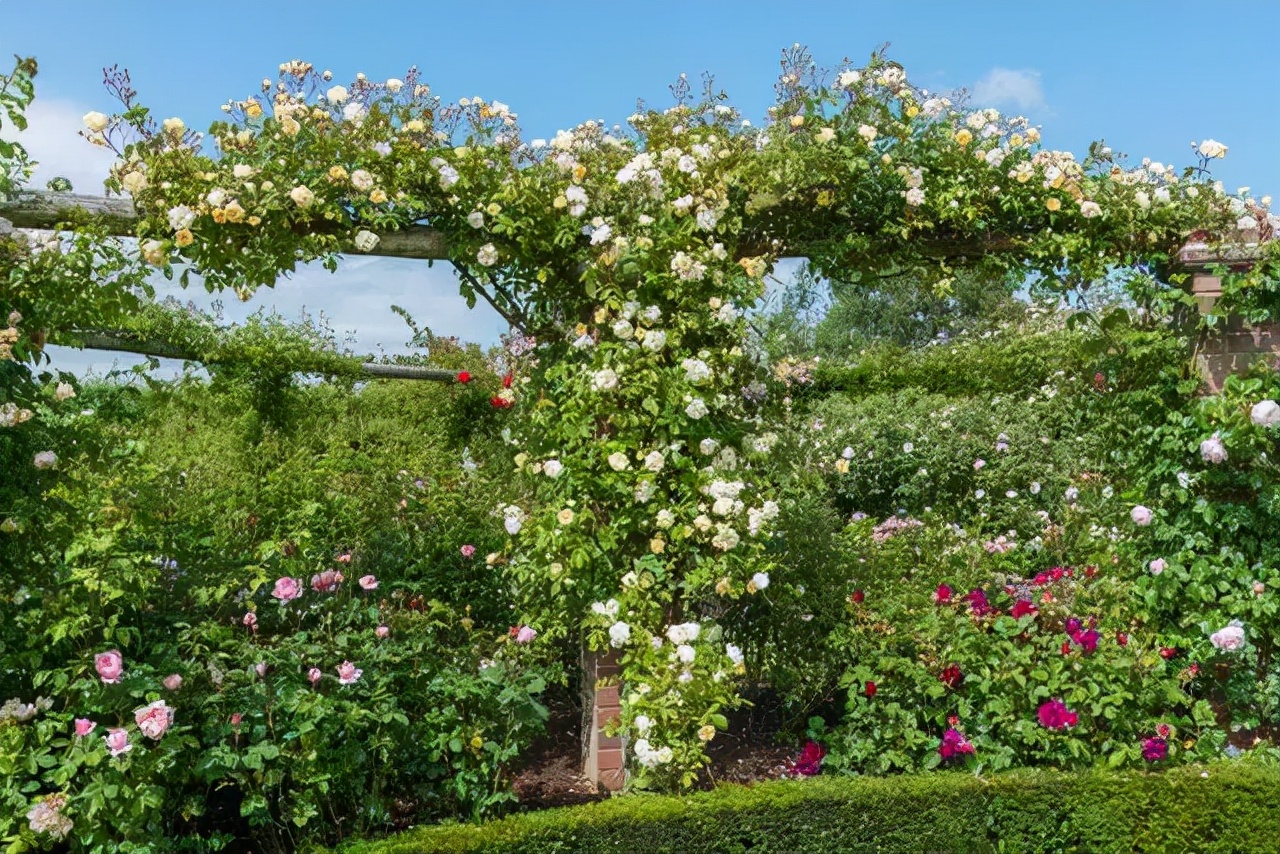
x=602 y=761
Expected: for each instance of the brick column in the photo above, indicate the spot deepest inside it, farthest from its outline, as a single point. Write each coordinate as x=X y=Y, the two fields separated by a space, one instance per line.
x=603 y=761
x=1234 y=345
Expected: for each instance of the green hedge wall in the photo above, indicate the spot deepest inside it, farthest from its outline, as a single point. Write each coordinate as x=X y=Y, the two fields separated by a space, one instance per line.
x=1230 y=807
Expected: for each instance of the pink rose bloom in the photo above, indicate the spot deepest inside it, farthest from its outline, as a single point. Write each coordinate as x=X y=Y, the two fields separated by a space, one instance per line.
x=348 y=673
x=173 y=682
x=979 y=465
x=261 y=669
x=313 y=675
x=118 y=741
x=110 y=666
x=326 y=581
x=287 y=589
x=383 y=631
x=236 y=718
x=250 y=620
x=368 y=582
x=468 y=550
x=1141 y=516
x=154 y=719
x=1157 y=566
x=84 y=726
x=45 y=460
x=1228 y=638
x=943 y=594
x=1055 y=715
x=345 y=557
x=525 y=634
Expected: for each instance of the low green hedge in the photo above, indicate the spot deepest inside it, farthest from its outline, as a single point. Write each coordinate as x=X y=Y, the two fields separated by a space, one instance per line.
x=1229 y=807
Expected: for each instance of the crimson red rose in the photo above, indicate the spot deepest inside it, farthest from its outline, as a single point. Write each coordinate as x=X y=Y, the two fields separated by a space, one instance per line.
x=870 y=690
x=463 y=377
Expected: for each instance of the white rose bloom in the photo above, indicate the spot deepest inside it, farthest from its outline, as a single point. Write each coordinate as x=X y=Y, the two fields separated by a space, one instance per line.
x=848 y=78
x=394 y=85
x=652 y=314
x=362 y=180
x=64 y=391
x=1213 y=451
x=1265 y=413
x=623 y=329
x=619 y=634
x=95 y=121
x=176 y=126
x=488 y=255
x=760 y=580
x=367 y=241
x=605 y=379
x=734 y=653
x=686 y=653
x=302 y=196
x=696 y=371
x=606 y=609
x=642 y=724
x=644 y=492
x=618 y=461
x=337 y=94
x=722 y=506
x=696 y=409
x=654 y=461
x=665 y=519
x=134 y=182
x=1141 y=516
x=725 y=539
x=475 y=219
x=654 y=340
x=708 y=446
x=1212 y=148
x=683 y=632
x=867 y=132
x=702 y=523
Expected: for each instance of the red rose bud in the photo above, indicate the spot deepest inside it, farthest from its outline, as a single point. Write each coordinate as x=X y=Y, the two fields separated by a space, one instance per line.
x=953 y=720
x=463 y=377
x=870 y=690
x=1168 y=652
x=1122 y=638
x=857 y=598
x=500 y=403
x=506 y=381
x=1066 y=647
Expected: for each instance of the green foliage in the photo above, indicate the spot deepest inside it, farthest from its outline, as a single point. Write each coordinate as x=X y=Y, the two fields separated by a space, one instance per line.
x=1221 y=808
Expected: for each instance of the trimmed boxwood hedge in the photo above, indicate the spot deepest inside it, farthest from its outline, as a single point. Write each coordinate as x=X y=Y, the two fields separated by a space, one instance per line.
x=1228 y=807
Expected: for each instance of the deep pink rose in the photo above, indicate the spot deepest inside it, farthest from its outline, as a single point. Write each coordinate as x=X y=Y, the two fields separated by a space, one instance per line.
x=525 y=634
x=84 y=726
x=348 y=673
x=173 y=682
x=110 y=666
x=368 y=582
x=1055 y=715
x=118 y=741
x=314 y=675
x=810 y=761
x=250 y=620
x=154 y=719
x=954 y=744
x=468 y=550
x=287 y=589
x=943 y=594
x=383 y=631
x=1154 y=749
x=1023 y=608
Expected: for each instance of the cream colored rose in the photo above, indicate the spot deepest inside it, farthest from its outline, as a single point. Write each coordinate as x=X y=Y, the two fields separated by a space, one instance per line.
x=174 y=126
x=302 y=196
x=337 y=94
x=95 y=121
x=135 y=182
x=1212 y=148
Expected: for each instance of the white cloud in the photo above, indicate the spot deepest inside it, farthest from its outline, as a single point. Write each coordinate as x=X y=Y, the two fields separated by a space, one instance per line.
x=52 y=138
x=1009 y=88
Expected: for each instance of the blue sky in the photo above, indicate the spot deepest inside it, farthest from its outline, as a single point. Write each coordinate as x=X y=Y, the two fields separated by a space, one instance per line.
x=1148 y=75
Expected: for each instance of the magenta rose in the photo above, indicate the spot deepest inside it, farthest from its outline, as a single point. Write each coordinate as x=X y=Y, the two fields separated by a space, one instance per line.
x=110 y=666
x=1055 y=715
x=287 y=589
x=118 y=741
x=84 y=726
x=954 y=744
x=154 y=719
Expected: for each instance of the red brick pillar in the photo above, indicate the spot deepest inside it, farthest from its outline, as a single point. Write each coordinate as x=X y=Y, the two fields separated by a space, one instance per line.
x=603 y=761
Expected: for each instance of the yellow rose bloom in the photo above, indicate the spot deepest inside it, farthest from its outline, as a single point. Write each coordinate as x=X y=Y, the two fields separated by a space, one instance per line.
x=842 y=466
x=184 y=237
x=964 y=137
x=657 y=545
x=378 y=196
x=253 y=109
x=1053 y=203
x=337 y=173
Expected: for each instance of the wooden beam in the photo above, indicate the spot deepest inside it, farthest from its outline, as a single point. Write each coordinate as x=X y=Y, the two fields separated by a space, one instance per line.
x=35 y=209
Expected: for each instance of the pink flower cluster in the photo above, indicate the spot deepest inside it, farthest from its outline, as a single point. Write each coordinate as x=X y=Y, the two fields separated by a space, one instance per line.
x=327 y=581
x=892 y=526
x=1085 y=637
